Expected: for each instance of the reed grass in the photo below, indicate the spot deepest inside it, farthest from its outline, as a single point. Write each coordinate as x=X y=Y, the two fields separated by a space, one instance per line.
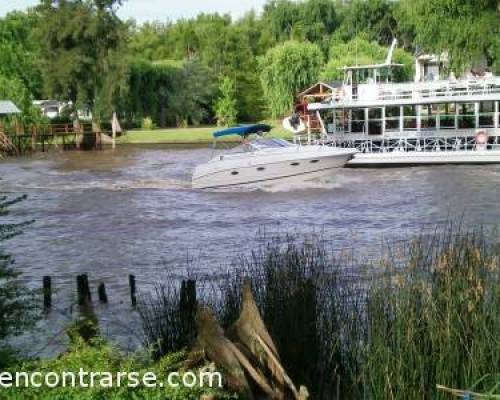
x=437 y=320
x=397 y=331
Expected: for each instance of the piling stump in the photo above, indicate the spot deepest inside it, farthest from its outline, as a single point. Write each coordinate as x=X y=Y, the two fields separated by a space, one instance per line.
x=101 y=291
x=133 y=292
x=187 y=310
x=47 y=292
x=83 y=289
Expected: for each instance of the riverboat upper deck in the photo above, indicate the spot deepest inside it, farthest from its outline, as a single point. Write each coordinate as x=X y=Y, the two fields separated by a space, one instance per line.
x=369 y=103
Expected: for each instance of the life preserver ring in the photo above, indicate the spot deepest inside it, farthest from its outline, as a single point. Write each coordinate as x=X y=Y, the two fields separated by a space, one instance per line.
x=481 y=137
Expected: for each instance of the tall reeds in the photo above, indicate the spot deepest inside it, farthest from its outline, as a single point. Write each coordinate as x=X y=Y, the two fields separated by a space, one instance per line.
x=394 y=331
x=437 y=320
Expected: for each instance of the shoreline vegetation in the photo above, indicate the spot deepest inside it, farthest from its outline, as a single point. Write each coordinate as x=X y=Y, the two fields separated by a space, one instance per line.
x=79 y=59
x=420 y=320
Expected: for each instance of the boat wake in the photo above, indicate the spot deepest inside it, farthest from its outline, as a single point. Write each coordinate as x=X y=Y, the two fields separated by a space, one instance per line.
x=292 y=185
x=115 y=186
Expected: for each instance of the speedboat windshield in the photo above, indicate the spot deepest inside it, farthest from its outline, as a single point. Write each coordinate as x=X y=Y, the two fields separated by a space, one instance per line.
x=260 y=144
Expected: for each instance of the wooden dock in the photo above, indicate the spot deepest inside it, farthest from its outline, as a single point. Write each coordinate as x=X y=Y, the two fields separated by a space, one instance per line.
x=55 y=136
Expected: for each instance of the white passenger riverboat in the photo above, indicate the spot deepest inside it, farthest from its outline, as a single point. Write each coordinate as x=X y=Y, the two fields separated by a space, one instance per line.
x=428 y=121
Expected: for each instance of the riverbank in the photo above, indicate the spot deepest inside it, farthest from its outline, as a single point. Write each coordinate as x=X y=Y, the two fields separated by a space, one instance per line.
x=191 y=135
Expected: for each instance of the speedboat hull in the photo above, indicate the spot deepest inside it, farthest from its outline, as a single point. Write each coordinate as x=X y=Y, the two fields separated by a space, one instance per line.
x=262 y=167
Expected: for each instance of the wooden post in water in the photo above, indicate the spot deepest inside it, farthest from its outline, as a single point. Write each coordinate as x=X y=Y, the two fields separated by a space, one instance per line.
x=187 y=308
x=47 y=292
x=83 y=290
x=101 y=291
x=133 y=295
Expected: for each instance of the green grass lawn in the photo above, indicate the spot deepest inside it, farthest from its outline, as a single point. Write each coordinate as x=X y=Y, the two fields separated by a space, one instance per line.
x=185 y=135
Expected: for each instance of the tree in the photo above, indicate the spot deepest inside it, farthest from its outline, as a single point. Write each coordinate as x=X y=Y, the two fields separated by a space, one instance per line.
x=17 y=49
x=312 y=20
x=286 y=70
x=191 y=99
x=361 y=51
x=18 y=310
x=374 y=18
x=468 y=30
x=148 y=86
x=81 y=52
x=225 y=106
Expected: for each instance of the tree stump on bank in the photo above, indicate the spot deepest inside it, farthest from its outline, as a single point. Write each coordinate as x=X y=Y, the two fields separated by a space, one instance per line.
x=246 y=354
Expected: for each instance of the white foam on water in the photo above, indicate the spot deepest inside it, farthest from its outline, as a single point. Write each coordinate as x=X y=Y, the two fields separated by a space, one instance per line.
x=294 y=185
x=316 y=184
x=120 y=185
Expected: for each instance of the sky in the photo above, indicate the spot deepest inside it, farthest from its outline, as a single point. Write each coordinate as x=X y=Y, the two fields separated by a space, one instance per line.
x=160 y=10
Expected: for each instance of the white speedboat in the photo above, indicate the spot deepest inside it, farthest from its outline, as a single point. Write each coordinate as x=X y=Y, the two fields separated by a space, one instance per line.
x=263 y=161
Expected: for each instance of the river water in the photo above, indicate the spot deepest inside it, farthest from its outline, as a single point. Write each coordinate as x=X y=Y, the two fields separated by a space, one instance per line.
x=111 y=213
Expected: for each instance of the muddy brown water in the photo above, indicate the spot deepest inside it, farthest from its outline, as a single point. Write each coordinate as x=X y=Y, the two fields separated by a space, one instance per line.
x=111 y=213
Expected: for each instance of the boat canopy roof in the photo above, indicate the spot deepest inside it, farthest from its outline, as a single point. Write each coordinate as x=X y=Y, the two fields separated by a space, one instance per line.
x=243 y=130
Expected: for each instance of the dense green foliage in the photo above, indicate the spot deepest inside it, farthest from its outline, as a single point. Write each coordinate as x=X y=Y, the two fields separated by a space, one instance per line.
x=286 y=70
x=468 y=29
x=18 y=310
x=17 y=51
x=225 y=107
x=80 y=50
x=101 y=357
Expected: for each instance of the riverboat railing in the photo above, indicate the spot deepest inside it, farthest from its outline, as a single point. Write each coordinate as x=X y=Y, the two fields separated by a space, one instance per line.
x=441 y=90
x=434 y=144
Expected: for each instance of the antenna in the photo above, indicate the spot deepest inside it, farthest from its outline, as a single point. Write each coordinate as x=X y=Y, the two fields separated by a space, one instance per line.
x=388 y=61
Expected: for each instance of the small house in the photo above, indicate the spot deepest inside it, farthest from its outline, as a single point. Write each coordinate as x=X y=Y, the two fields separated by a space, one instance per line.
x=319 y=92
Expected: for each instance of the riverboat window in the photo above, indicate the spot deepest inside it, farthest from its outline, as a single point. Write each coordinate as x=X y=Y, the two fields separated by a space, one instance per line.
x=498 y=114
x=341 y=118
x=466 y=117
x=410 y=111
x=375 y=121
x=410 y=117
x=447 y=113
x=375 y=113
x=486 y=114
x=428 y=114
x=358 y=121
x=486 y=107
x=392 y=115
x=392 y=112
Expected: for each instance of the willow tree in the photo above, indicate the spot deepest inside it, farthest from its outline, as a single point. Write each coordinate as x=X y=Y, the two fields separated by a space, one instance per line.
x=469 y=30
x=286 y=70
x=374 y=18
x=169 y=92
x=148 y=87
